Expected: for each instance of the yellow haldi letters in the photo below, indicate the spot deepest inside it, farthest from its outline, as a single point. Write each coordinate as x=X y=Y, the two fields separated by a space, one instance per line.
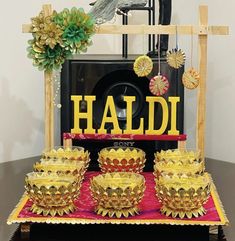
x=110 y=116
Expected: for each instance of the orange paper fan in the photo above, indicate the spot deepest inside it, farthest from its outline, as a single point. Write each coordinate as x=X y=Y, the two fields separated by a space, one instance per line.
x=191 y=79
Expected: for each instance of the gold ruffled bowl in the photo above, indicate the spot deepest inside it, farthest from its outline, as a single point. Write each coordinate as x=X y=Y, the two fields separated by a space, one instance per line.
x=164 y=169
x=185 y=156
x=181 y=163
x=117 y=159
x=61 y=166
x=183 y=197
x=51 y=193
x=75 y=153
x=118 y=193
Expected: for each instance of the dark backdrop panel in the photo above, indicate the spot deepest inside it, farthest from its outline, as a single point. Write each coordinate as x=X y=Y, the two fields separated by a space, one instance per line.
x=104 y=75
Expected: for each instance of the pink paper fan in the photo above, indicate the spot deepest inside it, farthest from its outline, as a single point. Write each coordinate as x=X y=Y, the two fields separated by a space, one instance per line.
x=159 y=85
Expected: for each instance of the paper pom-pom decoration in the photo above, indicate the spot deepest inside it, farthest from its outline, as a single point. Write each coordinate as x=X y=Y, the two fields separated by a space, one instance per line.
x=59 y=36
x=191 y=79
x=159 y=85
x=143 y=66
x=175 y=58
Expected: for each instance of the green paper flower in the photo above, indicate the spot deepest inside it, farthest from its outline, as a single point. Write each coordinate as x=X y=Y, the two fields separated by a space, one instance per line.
x=58 y=36
x=73 y=34
x=73 y=37
x=46 y=58
x=78 y=28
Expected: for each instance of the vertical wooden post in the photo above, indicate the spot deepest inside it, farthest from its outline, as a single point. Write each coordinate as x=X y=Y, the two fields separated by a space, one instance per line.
x=67 y=143
x=182 y=145
x=201 y=98
x=49 y=93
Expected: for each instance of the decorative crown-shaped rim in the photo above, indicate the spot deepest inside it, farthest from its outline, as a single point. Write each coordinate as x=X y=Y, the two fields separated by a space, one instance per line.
x=59 y=165
x=179 y=156
x=121 y=153
x=179 y=167
x=186 y=183
x=74 y=153
x=121 y=180
x=48 y=180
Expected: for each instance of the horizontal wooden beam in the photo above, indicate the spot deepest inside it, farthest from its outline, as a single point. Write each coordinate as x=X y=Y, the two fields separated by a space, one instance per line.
x=160 y=29
x=156 y=29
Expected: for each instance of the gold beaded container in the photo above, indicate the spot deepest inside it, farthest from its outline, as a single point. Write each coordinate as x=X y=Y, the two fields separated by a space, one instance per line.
x=117 y=194
x=72 y=154
x=52 y=193
x=183 y=197
x=116 y=159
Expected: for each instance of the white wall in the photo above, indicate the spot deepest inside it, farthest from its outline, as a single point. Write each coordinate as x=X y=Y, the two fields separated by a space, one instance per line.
x=21 y=85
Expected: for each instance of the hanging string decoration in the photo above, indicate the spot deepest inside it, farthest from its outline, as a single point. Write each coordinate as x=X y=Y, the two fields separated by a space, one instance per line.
x=176 y=57
x=57 y=84
x=191 y=77
x=159 y=84
x=57 y=37
x=143 y=66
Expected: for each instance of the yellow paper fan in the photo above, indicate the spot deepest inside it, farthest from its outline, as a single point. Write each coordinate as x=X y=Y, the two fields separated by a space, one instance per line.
x=175 y=58
x=191 y=79
x=143 y=66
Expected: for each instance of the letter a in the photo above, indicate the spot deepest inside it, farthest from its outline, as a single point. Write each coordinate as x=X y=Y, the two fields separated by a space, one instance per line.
x=110 y=108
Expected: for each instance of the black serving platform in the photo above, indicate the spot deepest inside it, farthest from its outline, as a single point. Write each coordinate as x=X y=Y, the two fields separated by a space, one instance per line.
x=44 y=232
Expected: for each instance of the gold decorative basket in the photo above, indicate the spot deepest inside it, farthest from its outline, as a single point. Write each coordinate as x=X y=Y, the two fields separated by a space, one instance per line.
x=181 y=163
x=117 y=159
x=184 y=156
x=74 y=154
x=164 y=169
x=183 y=197
x=61 y=166
x=118 y=193
x=51 y=193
